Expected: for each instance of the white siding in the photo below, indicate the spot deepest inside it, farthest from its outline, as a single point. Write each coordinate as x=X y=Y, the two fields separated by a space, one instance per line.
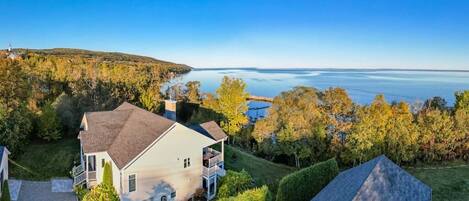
x=4 y=166
x=160 y=170
x=100 y=169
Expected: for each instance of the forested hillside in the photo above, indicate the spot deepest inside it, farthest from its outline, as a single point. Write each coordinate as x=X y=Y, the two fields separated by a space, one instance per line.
x=43 y=93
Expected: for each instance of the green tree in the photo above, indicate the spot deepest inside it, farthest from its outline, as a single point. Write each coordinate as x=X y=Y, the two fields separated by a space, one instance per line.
x=14 y=86
x=233 y=183
x=232 y=104
x=150 y=99
x=15 y=128
x=107 y=174
x=49 y=127
x=462 y=100
x=66 y=109
x=192 y=92
x=102 y=192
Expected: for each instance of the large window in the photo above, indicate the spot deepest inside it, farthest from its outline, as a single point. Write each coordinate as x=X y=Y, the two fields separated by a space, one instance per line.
x=132 y=182
x=92 y=163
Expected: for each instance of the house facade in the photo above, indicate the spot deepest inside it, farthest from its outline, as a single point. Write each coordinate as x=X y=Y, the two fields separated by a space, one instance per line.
x=152 y=157
x=3 y=166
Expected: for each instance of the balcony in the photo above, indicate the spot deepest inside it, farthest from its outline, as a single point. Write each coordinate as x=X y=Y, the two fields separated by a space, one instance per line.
x=215 y=170
x=211 y=157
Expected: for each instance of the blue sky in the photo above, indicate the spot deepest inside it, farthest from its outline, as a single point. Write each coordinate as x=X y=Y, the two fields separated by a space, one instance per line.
x=252 y=33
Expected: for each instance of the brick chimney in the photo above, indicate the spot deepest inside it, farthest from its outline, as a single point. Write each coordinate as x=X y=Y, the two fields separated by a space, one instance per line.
x=170 y=109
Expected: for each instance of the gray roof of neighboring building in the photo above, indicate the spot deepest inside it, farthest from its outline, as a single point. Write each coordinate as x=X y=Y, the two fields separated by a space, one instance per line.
x=211 y=130
x=115 y=132
x=377 y=179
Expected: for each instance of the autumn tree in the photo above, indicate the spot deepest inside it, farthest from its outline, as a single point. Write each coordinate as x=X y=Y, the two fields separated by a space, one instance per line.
x=339 y=109
x=461 y=118
x=401 y=141
x=232 y=104
x=298 y=123
x=437 y=137
x=192 y=92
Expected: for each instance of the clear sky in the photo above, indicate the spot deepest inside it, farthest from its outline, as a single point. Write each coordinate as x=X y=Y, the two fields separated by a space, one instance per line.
x=251 y=33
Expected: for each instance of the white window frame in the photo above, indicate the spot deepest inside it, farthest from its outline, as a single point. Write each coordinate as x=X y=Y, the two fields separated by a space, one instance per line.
x=128 y=181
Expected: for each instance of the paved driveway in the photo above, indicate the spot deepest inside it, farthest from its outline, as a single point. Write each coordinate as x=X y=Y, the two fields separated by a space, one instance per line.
x=54 y=190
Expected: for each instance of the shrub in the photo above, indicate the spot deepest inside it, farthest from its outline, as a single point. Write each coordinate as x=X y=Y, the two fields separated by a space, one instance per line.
x=102 y=192
x=5 y=192
x=233 y=183
x=306 y=183
x=107 y=174
x=256 y=194
x=80 y=192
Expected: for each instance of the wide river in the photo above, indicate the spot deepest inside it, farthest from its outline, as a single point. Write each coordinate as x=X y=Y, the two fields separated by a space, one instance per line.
x=362 y=85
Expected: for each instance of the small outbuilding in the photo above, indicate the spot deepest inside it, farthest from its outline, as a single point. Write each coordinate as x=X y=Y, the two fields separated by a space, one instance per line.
x=378 y=179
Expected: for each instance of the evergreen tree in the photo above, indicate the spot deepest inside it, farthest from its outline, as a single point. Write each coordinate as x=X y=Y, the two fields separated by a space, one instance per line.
x=107 y=174
x=49 y=127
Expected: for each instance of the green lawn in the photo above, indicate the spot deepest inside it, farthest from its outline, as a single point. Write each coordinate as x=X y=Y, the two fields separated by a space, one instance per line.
x=42 y=160
x=446 y=183
x=262 y=171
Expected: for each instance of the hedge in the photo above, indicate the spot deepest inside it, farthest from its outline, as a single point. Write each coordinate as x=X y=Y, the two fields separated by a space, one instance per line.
x=256 y=194
x=5 y=192
x=304 y=184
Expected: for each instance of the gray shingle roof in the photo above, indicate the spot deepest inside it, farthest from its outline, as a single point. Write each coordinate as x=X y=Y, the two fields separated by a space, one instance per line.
x=124 y=132
x=211 y=130
x=378 y=179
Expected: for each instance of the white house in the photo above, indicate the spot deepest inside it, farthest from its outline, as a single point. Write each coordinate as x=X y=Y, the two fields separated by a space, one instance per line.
x=152 y=157
x=3 y=166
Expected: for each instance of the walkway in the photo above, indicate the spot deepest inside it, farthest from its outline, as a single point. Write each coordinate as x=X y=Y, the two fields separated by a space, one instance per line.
x=54 y=190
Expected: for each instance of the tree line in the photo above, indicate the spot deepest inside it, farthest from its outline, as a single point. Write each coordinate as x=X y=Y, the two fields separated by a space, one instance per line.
x=44 y=93
x=305 y=125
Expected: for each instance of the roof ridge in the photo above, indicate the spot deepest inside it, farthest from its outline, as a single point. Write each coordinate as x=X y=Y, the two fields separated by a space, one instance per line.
x=378 y=160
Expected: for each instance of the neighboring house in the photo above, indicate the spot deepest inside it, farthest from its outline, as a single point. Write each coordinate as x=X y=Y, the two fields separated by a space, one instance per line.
x=378 y=179
x=3 y=166
x=152 y=157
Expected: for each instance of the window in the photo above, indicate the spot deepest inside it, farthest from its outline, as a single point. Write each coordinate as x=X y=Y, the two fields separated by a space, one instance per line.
x=187 y=162
x=102 y=162
x=92 y=163
x=173 y=194
x=132 y=182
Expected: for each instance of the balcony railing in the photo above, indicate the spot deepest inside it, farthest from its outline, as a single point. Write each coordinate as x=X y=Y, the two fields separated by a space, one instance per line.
x=207 y=172
x=77 y=170
x=212 y=157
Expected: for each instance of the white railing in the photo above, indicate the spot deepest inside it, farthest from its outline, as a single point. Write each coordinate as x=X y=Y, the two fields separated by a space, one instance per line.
x=216 y=157
x=210 y=171
x=77 y=170
x=79 y=179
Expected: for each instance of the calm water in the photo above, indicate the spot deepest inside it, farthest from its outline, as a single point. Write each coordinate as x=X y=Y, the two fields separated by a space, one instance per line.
x=362 y=85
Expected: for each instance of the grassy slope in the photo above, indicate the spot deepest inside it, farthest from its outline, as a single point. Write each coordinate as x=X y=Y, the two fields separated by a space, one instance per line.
x=45 y=160
x=263 y=171
x=446 y=183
